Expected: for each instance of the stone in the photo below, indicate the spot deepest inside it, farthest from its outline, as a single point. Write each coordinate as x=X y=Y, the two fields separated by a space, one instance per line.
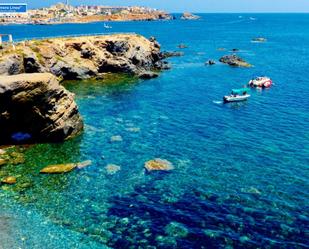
x=116 y=138
x=11 y=64
x=112 y=168
x=83 y=164
x=182 y=46
x=133 y=129
x=148 y=75
x=17 y=158
x=37 y=105
x=9 y=180
x=3 y=161
x=58 y=168
x=158 y=164
x=189 y=16
x=259 y=39
x=176 y=230
x=171 y=54
x=210 y=62
x=251 y=190
x=234 y=60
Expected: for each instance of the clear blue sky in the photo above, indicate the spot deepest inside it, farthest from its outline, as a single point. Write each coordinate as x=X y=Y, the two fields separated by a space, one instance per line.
x=192 y=5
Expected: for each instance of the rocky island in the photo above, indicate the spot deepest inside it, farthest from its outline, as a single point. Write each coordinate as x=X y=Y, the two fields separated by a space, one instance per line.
x=189 y=16
x=34 y=107
x=235 y=61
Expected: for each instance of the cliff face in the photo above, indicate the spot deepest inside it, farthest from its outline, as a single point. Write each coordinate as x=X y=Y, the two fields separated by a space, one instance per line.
x=35 y=108
x=83 y=57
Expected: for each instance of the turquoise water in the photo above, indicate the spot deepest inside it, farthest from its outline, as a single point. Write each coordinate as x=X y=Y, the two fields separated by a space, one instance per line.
x=241 y=171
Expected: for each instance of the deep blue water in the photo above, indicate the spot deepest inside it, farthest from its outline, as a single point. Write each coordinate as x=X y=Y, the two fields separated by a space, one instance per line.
x=241 y=171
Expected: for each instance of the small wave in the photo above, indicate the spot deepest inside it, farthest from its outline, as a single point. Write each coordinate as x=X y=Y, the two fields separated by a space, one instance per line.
x=217 y=102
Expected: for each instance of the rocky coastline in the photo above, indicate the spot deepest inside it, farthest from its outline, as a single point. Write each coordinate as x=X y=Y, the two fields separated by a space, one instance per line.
x=34 y=107
x=84 y=57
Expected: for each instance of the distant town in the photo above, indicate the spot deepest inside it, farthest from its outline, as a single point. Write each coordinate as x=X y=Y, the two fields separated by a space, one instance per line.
x=66 y=13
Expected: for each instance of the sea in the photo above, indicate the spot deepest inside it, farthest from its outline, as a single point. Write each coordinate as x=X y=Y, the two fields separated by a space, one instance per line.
x=241 y=171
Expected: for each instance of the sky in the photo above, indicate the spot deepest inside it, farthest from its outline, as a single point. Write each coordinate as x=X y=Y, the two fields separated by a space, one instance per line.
x=198 y=6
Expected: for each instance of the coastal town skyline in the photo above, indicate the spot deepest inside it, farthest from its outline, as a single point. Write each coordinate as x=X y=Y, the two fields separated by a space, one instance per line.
x=198 y=6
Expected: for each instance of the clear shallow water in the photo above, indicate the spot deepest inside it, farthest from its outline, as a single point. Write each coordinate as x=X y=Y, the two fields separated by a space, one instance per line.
x=241 y=171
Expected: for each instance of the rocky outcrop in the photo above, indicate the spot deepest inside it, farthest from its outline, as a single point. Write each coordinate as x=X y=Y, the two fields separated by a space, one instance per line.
x=84 y=57
x=189 y=16
x=234 y=60
x=35 y=108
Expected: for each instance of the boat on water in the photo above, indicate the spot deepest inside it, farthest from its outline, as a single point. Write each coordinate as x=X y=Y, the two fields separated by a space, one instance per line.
x=263 y=82
x=237 y=95
x=107 y=26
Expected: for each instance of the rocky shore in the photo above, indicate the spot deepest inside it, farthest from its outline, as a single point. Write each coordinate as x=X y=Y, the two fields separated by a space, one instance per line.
x=36 y=108
x=84 y=57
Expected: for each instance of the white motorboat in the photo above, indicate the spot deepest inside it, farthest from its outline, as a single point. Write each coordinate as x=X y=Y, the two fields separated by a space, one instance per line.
x=237 y=95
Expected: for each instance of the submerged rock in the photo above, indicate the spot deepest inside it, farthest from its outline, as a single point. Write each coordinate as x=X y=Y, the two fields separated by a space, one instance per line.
x=2 y=161
x=182 y=46
x=176 y=230
x=259 y=39
x=158 y=164
x=16 y=158
x=171 y=54
x=36 y=105
x=59 y=168
x=148 y=75
x=116 y=138
x=234 y=60
x=9 y=180
x=133 y=129
x=112 y=168
x=83 y=164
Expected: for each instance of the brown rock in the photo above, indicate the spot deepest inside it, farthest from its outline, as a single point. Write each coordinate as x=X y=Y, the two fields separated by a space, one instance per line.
x=84 y=57
x=158 y=164
x=234 y=60
x=9 y=180
x=59 y=168
x=37 y=108
x=2 y=161
x=112 y=168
